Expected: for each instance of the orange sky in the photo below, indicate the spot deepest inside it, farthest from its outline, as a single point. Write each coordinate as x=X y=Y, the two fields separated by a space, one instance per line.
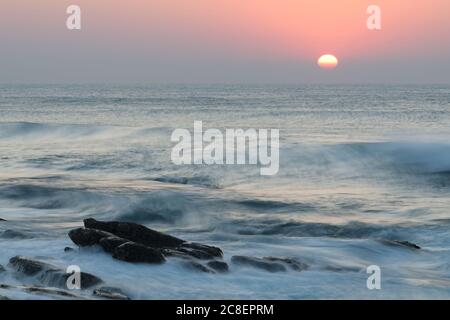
x=206 y=30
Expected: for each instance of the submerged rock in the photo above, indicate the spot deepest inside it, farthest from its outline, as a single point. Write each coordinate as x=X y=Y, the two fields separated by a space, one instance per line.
x=68 y=249
x=29 y=266
x=58 y=278
x=259 y=263
x=336 y=268
x=189 y=253
x=218 y=266
x=135 y=252
x=197 y=266
x=110 y=293
x=2 y=269
x=39 y=290
x=203 y=251
x=14 y=234
x=136 y=233
x=291 y=263
x=401 y=243
x=49 y=274
x=49 y=291
x=4 y=298
x=84 y=237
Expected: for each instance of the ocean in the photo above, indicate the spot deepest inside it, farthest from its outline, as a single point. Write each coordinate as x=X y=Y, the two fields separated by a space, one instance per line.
x=361 y=166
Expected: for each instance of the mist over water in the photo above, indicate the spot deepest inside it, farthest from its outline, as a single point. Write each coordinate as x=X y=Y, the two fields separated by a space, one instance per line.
x=359 y=165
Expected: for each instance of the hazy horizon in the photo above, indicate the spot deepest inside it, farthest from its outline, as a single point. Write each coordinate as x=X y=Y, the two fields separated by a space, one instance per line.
x=186 y=41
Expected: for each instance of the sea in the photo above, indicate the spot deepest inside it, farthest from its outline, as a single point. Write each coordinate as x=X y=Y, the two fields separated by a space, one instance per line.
x=361 y=167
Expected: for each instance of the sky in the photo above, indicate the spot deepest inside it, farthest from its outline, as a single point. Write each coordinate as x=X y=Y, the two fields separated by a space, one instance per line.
x=224 y=41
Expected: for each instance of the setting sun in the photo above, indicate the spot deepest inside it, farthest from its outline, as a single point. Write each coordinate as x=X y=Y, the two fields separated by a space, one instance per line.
x=327 y=61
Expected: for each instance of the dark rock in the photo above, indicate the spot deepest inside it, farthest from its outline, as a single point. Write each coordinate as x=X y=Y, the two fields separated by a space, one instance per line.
x=58 y=278
x=68 y=249
x=28 y=266
x=39 y=290
x=87 y=280
x=218 y=266
x=193 y=265
x=291 y=263
x=204 y=249
x=109 y=244
x=401 y=244
x=132 y=242
x=175 y=253
x=4 y=298
x=13 y=234
x=259 y=263
x=49 y=291
x=110 y=293
x=49 y=274
x=2 y=269
x=84 y=237
x=136 y=233
x=135 y=252
x=2 y=220
x=187 y=254
x=194 y=250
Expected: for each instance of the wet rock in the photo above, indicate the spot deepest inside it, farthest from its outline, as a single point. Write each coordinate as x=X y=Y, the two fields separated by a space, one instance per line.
x=4 y=298
x=109 y=244
x=29 y=266
x=136 y=233
x=48 y=291
x=194 y=250
x=289 y=262
x=68 y=249
x=40 y=290
x=14 y=234
x=84 y=237
x=135 y=252
x=187 y=254
x=48 y=274
x=259 y=263
x=2 y=269
x=132 y=242
x=218 y=266
x=401 y=243
x=2 y=220
x=194 y=265
x=175 y=253
x=59 y=278
x=201 y=249
x=110 y=293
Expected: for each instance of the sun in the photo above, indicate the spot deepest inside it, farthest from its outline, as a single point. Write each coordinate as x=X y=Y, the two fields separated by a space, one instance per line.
x=328 y=61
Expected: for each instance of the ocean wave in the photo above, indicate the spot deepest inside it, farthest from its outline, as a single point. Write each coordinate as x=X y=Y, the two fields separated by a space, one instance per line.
x=46 y=197
x=351 y=230
x=39 y=130
x=106 y=136
x=400 y=157
x=164 y=206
